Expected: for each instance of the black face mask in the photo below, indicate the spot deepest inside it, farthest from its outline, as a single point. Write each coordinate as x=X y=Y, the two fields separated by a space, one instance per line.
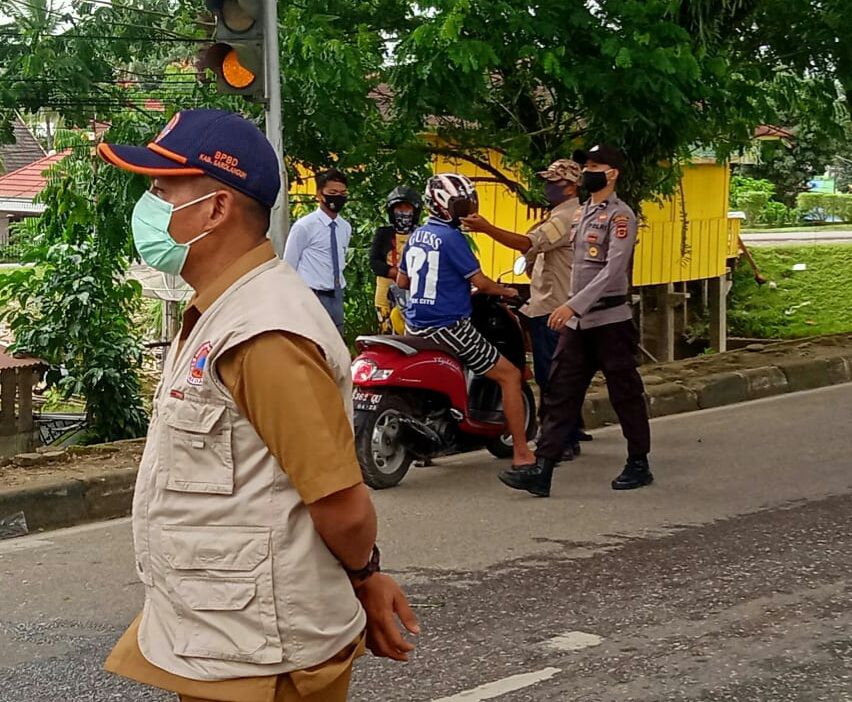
x=594 y=181
x=555 y=193
x=334 y=202
x=403 y=222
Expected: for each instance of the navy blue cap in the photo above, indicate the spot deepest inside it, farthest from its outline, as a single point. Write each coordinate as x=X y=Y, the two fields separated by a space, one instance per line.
x=220 y=144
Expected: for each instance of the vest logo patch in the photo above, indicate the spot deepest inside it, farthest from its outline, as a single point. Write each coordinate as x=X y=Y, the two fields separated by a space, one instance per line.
x=199 y=361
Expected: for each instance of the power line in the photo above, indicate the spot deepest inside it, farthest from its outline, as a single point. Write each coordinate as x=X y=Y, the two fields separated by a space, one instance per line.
x=114 y=37
x=65 y=15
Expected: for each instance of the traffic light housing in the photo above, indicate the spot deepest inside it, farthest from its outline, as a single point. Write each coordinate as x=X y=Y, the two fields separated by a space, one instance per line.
x=237 y=56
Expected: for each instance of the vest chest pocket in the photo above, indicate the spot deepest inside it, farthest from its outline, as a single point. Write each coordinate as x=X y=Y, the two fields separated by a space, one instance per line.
x=198 y=449
x=221 y=584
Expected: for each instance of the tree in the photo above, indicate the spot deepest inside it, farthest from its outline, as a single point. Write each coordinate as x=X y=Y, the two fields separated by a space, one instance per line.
x=536 y=80
x=379 y=87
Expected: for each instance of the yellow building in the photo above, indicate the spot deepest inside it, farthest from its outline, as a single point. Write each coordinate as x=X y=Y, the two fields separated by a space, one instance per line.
x=665 y=254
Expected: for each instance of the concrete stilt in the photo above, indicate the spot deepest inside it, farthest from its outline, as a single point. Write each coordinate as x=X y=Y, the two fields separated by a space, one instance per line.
x=658 y=320
x=717 y=289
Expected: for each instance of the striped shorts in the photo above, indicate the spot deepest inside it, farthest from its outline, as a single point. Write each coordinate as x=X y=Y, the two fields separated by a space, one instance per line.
x=462 y=338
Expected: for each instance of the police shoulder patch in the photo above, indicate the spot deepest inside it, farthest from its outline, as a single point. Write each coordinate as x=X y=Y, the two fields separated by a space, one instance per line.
x=622 y=226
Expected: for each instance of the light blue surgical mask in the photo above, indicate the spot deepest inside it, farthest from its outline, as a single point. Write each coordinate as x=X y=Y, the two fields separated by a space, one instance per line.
x=150 y=224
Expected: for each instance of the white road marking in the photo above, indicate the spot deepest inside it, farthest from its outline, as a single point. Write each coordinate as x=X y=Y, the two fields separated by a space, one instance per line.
x=573 y=641
x=500 y=687
x=38 y=540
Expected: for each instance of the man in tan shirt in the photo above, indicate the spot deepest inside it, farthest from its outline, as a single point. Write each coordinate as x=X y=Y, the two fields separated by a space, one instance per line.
x=280 y=396
x=549 y=250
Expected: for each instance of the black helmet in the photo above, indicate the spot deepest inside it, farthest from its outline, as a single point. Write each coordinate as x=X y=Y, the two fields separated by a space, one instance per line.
x=400 y=194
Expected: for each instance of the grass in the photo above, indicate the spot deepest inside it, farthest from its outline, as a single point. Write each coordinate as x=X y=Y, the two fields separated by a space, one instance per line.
x=805 y=303
x=804 y=227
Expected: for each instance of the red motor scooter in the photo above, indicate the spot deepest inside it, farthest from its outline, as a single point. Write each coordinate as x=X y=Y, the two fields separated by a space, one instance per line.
x=415 y=400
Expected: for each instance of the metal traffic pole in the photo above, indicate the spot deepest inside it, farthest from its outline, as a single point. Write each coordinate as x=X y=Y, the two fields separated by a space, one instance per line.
x=279 y=225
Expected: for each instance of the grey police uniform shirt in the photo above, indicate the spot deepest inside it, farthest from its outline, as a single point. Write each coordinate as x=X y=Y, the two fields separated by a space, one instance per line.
x=604 y=238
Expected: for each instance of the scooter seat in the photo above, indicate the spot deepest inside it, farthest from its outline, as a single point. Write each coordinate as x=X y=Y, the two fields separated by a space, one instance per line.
x=408 y=345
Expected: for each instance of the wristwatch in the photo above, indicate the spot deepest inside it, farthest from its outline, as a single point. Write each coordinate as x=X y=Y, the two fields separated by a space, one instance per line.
x=373 y=566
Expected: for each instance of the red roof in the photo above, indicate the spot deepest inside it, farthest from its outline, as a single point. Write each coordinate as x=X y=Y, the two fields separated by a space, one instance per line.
x=769 y=131
x=29 y=181
x=8 y=361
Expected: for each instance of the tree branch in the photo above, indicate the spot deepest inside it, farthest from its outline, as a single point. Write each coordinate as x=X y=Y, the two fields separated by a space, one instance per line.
x=514 y=186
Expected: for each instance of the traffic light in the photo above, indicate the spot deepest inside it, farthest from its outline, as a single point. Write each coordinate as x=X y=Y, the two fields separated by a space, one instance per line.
x=237 y=56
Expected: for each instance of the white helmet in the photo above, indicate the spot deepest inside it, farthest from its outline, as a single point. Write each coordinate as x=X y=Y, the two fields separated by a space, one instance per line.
x=450 y=196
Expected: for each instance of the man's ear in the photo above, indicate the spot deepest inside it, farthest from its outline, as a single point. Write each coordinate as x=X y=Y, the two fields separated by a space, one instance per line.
x=224 y=203
x=615 y=174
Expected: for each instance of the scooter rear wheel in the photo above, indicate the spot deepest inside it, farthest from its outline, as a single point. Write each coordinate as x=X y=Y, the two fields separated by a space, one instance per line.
x=383 y=458
x=502 y=446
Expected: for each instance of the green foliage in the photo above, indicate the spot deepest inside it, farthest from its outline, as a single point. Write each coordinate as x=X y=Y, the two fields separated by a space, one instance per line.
x=657 y=78
x=826 y=206
x=363 y=82
x=73 y=309
x=743 y=184
x=777 y=214
x=805 y=303
x=754 y=197
x=791 y=163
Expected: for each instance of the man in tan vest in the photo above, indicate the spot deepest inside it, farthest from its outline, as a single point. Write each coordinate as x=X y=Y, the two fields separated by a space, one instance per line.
x=549 y=251
x=254 y=535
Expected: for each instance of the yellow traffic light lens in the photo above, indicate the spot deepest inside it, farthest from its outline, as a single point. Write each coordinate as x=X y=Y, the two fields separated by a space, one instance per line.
x=235 y=74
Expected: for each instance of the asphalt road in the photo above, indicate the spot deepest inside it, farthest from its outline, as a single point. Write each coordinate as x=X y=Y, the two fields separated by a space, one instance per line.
x=797 y=238
x=728 y=579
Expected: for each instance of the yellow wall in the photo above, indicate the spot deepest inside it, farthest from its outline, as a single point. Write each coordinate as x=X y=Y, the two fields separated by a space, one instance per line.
x=658 y=254
x=658 y=257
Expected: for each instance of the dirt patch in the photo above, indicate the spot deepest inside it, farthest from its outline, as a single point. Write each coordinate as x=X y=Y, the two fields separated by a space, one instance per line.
x=76 y=463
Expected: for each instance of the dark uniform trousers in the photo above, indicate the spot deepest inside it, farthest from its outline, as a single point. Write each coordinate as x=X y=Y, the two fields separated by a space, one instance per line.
x=580 y=353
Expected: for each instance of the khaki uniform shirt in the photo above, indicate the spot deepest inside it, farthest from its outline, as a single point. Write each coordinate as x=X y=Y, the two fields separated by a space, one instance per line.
x=604 y=238
x=258 y=373
x=549 y=260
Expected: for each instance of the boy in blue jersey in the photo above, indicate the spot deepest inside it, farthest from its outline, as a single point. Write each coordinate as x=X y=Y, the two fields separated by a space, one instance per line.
x=439 y=268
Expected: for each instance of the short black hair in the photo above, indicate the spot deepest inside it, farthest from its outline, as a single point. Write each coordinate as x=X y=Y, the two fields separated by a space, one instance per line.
x=331 y=175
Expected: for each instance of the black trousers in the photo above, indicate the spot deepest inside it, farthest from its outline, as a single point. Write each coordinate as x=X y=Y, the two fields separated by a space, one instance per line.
x=613 y=349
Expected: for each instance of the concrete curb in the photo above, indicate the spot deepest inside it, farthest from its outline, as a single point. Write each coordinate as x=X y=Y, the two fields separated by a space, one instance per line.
x=109 y=494
x=105 y=495
x=728 y=388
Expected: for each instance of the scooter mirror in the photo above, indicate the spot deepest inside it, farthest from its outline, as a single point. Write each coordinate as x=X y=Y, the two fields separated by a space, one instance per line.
x=520 y=266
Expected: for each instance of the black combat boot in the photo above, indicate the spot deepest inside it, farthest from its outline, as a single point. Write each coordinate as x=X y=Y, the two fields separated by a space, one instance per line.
x=571 y=452
x=584 y=436
x=534 y=479
x=636 y=474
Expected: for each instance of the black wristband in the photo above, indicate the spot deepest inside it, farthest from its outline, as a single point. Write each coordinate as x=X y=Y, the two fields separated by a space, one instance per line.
x=373 y=566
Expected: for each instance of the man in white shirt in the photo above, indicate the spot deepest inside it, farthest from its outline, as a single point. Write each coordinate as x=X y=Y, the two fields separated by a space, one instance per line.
x=317 y=243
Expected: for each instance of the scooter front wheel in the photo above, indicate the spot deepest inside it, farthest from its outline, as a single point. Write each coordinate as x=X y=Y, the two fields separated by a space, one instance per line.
x=384 y=459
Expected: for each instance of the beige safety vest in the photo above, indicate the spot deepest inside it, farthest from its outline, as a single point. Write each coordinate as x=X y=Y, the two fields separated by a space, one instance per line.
x=238 y=582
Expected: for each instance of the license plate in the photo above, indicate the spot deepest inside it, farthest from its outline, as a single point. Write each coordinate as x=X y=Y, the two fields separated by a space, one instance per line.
x=368 y=401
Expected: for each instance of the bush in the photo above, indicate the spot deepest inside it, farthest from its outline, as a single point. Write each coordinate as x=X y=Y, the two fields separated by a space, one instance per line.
x=777 y=214
x=753 y=203
x=741 y=185
x=825 y=207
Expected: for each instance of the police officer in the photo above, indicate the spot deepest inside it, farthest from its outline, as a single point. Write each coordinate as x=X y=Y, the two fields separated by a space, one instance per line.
x=596 y=331
x=549 y=252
